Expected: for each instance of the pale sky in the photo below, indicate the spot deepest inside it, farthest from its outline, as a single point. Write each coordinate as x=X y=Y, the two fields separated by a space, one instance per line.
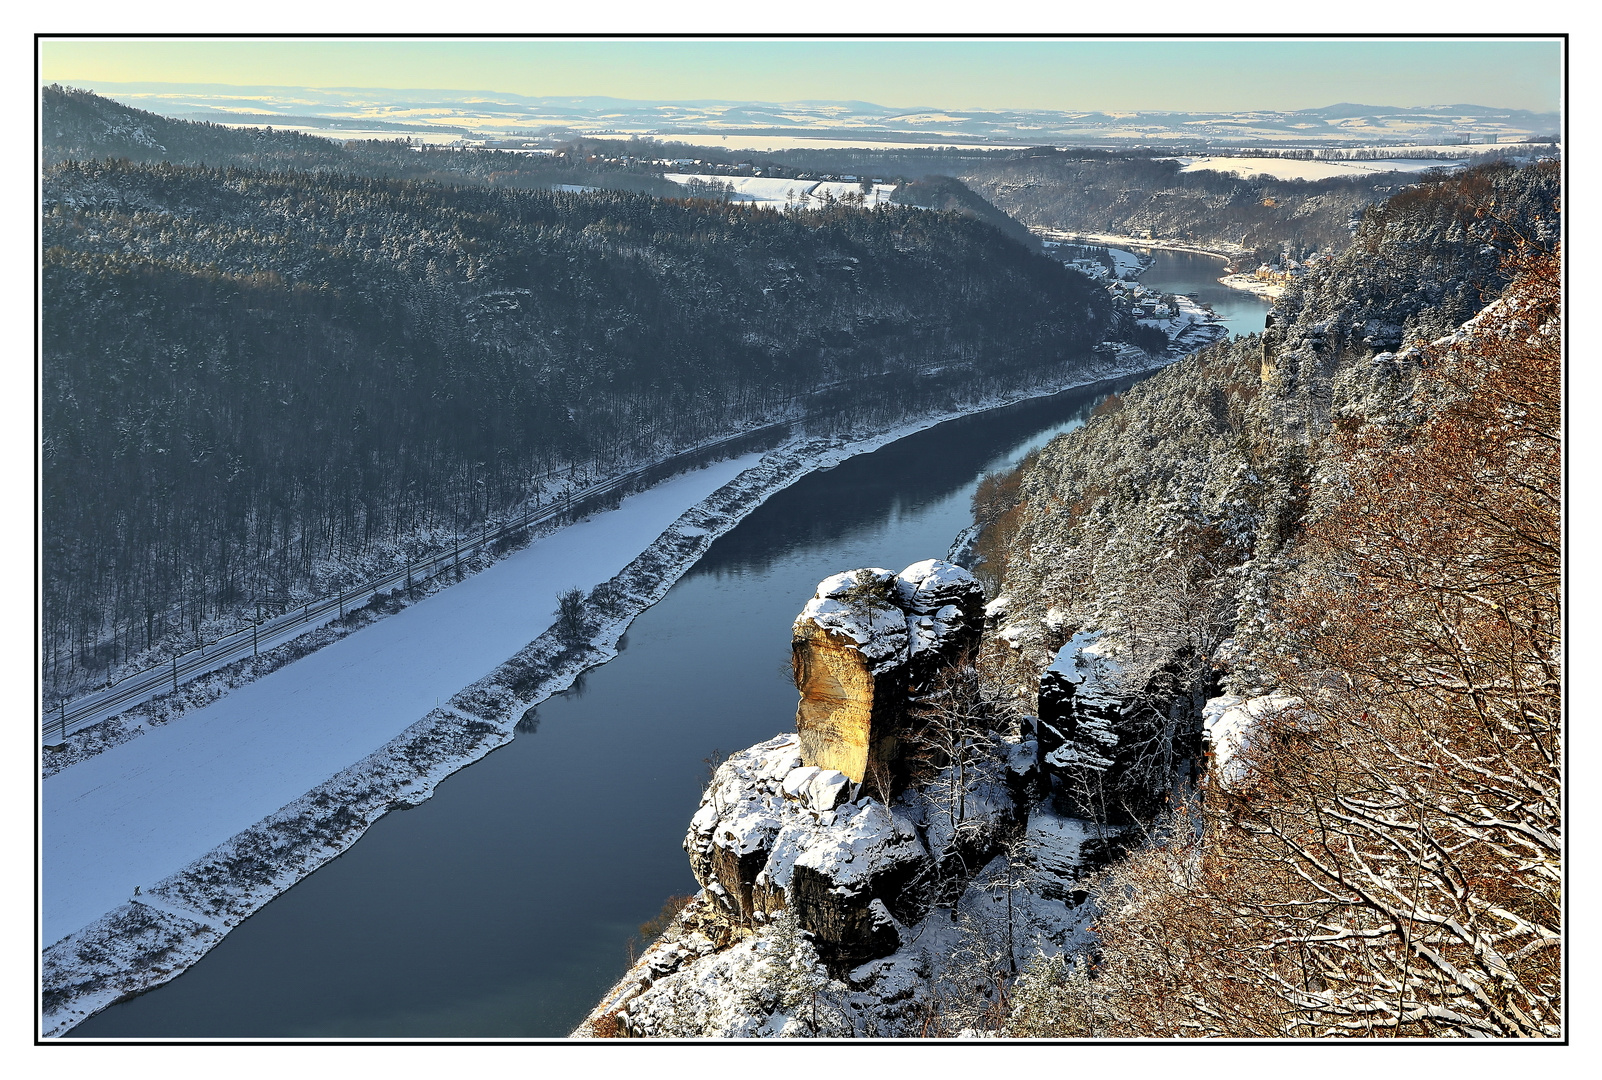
x=1103 y=75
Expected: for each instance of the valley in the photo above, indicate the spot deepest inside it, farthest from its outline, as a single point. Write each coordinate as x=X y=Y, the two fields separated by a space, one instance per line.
x=892 y=589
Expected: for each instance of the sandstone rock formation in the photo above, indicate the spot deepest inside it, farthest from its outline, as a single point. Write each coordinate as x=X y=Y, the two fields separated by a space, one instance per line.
x=1110 y=745
x=862 y=646
x=772 y=833
x=1080 y=708
x=788 y=824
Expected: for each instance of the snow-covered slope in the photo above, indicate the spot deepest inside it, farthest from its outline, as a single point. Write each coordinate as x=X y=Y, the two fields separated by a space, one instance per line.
x=143 y=810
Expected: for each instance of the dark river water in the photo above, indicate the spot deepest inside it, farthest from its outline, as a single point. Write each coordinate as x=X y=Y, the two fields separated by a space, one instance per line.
x=503 y=906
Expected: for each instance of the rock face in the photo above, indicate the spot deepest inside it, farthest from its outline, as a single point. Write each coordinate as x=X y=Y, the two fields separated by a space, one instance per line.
x=772 y=833
x=1114 y=748
x=862 y=645
x=1079 y=711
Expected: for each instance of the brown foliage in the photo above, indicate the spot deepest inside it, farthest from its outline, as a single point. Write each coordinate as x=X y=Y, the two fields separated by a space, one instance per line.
x=650 y=931
x=1391 y=862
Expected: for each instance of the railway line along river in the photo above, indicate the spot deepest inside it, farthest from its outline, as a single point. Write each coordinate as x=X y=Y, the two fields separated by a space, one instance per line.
x=504 y=905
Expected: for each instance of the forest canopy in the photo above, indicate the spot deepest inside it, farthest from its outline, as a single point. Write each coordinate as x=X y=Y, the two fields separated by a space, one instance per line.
x=257 y=380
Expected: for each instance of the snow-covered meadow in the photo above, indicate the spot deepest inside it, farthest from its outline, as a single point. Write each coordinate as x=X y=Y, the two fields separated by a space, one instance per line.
x=787 y=192
x=1315 y=169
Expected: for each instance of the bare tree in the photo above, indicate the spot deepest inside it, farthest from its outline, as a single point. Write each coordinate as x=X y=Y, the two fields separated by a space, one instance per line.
x=572 y=618
x=1390 y=862
x=951 y=735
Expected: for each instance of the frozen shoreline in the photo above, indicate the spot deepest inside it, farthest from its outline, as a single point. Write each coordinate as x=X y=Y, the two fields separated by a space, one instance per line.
x=1242 y=282
x=146 y=940
x=1068 y=236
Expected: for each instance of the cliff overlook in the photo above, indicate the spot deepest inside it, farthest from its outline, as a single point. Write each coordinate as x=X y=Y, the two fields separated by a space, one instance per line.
x=1261 y=736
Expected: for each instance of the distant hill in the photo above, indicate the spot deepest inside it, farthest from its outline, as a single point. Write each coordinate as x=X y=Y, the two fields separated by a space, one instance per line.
x=84 y=126
x=1344 y=123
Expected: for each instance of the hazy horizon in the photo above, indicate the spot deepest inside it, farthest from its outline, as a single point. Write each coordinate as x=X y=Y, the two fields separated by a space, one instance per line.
x=1108 y=76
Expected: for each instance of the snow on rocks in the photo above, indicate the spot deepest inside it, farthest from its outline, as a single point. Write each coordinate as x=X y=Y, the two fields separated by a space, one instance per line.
x=1230 y=722
x=893 y=617
x=770 y=833
x=748 y=987
x=966 y=816
x=796 y=781
x=856 y=605
x=1059 y=850
x=1080 y=702
x=820 y=789
x=1086 y=663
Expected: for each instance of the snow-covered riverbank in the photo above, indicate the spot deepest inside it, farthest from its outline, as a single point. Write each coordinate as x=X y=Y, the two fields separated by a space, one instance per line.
x=1222 y=251
x=202 y=886
x=1268 y=290
x=1228 y=252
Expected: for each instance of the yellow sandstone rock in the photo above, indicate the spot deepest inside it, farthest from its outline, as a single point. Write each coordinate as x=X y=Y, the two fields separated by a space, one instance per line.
x=859 y=647
x=835 y=716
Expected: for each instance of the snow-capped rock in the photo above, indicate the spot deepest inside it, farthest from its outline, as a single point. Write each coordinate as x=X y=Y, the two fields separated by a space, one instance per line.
x=863 y=644
x=1079 y=706
x=768 y=836
x=1230 y=722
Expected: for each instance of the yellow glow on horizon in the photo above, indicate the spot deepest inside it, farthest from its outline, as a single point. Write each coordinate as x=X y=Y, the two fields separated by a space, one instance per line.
x=1100 y=75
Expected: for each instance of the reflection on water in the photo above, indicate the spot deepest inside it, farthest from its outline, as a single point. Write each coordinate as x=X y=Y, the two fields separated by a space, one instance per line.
x=503 y=905
x=1197 y=275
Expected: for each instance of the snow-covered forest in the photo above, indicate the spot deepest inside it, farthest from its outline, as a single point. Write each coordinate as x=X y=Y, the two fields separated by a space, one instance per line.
x=1262 y=738
x=1349 y=526
x=261 y=383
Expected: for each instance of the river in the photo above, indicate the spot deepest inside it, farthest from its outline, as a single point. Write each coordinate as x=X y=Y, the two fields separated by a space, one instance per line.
x=504 y=906
x=1197 y=275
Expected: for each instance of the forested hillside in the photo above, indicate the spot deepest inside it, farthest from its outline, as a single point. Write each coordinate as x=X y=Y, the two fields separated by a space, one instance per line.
x=1128 y=195
x=1124 y=192
x=254 y=380
x=83 y=126
x=1351 y=524
x=950 y=195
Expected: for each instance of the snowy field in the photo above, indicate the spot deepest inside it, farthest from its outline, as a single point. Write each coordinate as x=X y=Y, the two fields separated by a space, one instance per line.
x=1292 y=169
x=834 y=141
x=145 y=809
x=1127 y=264
x=787 y=193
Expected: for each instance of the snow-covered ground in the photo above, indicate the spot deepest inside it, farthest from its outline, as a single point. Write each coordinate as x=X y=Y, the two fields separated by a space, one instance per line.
x=1293 y=169
x=835 y=142
x=217 y=812
x=786 y=192
x=1268 y=290
x=145 y=809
